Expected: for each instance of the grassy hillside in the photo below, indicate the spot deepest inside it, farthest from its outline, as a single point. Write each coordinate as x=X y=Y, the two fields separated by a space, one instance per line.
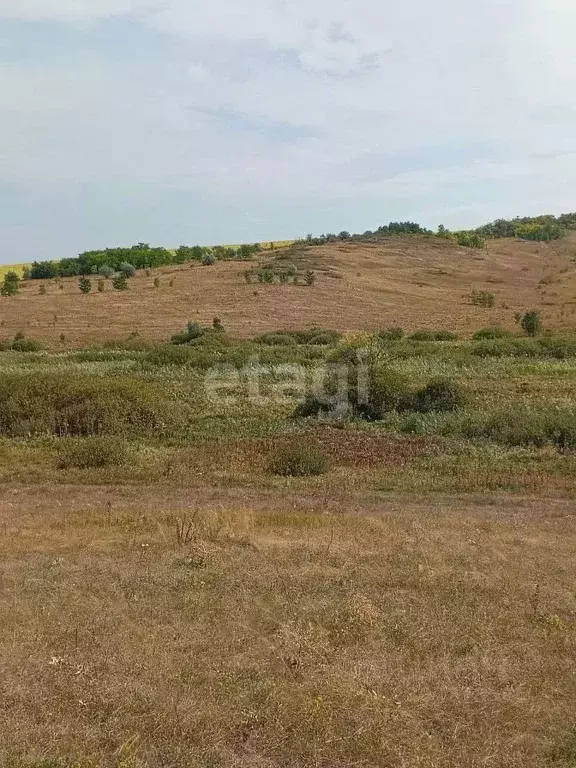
x=412 y=281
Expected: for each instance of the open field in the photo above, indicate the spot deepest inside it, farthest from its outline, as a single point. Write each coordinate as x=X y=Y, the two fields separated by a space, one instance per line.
x=194 y=575
x=411 y=281
x=392 y=633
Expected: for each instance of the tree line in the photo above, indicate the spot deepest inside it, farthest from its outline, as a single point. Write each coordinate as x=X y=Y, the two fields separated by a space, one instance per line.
x=144 y=256
x=140 y=256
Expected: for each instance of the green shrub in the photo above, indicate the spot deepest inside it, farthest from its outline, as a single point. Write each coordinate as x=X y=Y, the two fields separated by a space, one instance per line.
x=558 y=348
x=85 y=285
x=388 y=391
x=520 y=426
x=79 y=405
x=298 y=461
x=266 y=276
x=440 y=395
x=193 y=331
x=276 y=339
x=168 y=355
x=120 y=283
x=105 y=270
x=492 y=332
x=367 y=393
x=469 y=239
x=11 y=284
x=305 y=337
x=433 y=336
x=495 y=348
x=93 y=453
x=25 y=345
x=531 y=323
x=309 y=277
x=322 y=340
x=127 y=269
x=208 y=260
x=393 y=333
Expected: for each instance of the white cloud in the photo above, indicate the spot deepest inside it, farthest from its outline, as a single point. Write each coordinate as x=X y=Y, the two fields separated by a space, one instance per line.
x=264 y=104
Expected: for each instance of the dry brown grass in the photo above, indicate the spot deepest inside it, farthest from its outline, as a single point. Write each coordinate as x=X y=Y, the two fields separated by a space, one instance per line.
x=434 y=634
x=414 y=282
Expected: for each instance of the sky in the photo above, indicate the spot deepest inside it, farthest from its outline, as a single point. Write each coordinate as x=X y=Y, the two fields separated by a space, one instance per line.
x=225 y=121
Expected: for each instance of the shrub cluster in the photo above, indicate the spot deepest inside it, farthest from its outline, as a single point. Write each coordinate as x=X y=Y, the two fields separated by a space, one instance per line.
x=539 y=228
x=196 y=333
x=127 y=260
x=520 y=426
x=271 y=275
x=79 y=406
x=547 y=347
x=314 y=336
x=371 y=395
x=20 y=344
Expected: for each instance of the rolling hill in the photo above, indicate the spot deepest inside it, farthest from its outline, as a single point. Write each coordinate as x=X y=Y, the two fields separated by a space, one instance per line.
x=414 y=281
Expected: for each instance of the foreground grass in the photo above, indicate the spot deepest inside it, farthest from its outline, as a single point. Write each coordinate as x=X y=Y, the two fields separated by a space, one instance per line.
x=237 y=637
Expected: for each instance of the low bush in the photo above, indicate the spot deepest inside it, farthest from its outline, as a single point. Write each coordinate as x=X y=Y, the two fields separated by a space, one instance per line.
x=193 y=331
x=520 y=426
x=391 y=334
x=492 y=332
x=440 y=395
x=482 y=298
x=120 y=283
x=433 y=336
x=80 y=405
x=305 y=337
x=298 y=461
x=276 y=339
x=166 y=355
x=349 y=390
x=496 y=348
x=93 y=453
x=25 y=345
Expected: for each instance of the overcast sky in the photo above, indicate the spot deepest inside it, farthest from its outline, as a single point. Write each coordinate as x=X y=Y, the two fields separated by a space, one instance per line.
x=214 y=121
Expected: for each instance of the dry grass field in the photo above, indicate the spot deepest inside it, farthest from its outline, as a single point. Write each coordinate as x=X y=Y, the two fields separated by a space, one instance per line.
x=412 y=281
x=190 y=580
x=145 y=628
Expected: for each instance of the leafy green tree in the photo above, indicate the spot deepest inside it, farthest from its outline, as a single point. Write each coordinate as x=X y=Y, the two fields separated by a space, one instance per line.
x=127 y=269
x=11 y=284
